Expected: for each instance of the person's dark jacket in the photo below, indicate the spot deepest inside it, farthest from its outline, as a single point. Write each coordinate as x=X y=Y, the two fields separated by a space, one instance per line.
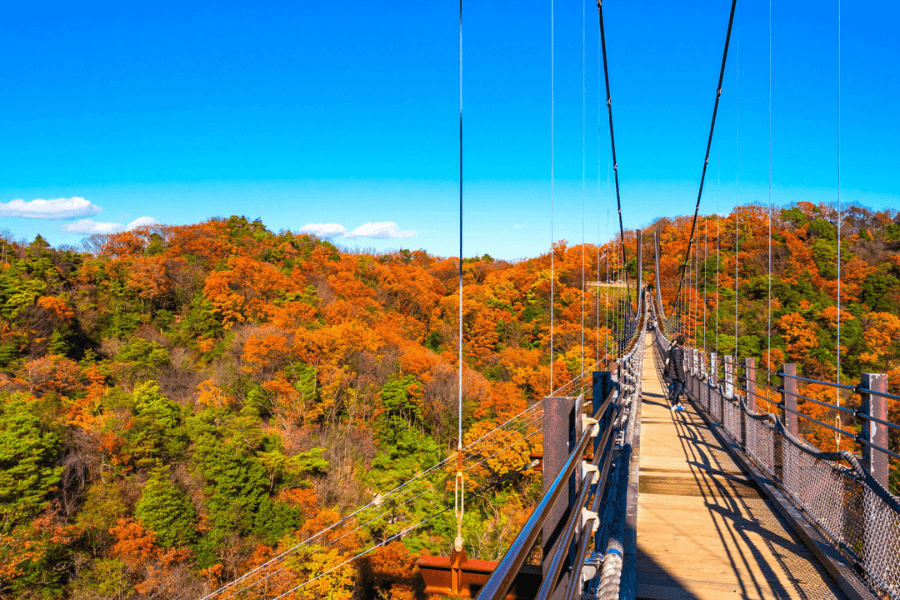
x=675 y=364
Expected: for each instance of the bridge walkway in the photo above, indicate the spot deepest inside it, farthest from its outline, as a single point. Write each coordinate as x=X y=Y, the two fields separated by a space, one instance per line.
x=703 y=528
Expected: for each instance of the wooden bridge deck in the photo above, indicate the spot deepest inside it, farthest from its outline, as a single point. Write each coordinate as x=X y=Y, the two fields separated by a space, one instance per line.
x=703 y=529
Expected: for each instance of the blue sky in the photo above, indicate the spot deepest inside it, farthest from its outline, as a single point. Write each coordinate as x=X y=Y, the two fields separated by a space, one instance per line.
x=346 y=114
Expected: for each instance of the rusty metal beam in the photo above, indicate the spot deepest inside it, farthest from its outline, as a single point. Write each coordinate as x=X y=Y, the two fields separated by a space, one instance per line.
x=462 y=577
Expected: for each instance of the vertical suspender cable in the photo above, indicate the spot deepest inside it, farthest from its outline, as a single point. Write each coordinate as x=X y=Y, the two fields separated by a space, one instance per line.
x=583 y=132
x=697 y=291
x=769 y=306
x=712 y=127
x=552 y=251
x=459 y=489
x=737 y=260
x=737 y=179
x=705 y=262
x=838 y=353
x=599 y=239
x=718 y=207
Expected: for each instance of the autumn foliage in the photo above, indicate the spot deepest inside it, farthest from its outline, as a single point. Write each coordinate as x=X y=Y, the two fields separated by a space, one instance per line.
x=728 y=273
x=184 y=403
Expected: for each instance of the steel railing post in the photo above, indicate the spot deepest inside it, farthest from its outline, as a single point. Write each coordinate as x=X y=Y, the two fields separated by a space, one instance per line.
x=749 y=397
x=561 y=424
x=788 y=375
x=702 y=385
x=788 y=406
x=729 y=376
x=602 y=386
x=876 y=434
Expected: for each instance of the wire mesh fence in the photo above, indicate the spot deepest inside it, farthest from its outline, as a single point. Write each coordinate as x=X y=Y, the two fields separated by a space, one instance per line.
x=842 y=499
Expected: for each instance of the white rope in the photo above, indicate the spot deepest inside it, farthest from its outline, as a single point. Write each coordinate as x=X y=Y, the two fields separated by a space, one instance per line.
x=361 y=554
x=378 y=501
x=383 y=500
x=372 y=549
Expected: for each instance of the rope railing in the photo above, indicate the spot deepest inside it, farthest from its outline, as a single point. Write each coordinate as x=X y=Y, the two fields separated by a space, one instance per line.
x=599 y=484
x=847 y=505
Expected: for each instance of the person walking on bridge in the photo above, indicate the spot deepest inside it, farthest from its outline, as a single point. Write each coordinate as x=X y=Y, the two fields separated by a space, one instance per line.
x=674 y=373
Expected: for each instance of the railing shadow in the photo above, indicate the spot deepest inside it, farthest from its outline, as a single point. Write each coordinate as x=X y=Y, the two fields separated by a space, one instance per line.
x=725 y=495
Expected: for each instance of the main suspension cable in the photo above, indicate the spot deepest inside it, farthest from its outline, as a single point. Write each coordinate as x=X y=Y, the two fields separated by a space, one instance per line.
x=708 y=145
x=612 y=141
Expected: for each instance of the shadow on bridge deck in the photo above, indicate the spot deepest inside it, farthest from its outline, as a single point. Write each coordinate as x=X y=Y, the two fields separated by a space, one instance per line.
x=703 y=529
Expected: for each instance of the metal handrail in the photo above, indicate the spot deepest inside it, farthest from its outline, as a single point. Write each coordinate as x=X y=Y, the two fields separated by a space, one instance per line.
x=504 y=574
x=502 y=578
x=565 y=539
x=855 y=412
x=860 y=389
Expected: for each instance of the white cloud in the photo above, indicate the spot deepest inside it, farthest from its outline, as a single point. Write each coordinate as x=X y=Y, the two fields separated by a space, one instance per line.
x=90 y=227
x=140 y=222
x=324 y=230
x=382 y=231
x=57 y=208
x=522 y=226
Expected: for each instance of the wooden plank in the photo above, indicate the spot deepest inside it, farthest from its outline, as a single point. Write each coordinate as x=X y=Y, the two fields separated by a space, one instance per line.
x=704 y=528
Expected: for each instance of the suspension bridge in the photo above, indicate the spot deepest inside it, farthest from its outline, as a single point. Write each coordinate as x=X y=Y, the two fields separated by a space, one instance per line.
x=723 y=499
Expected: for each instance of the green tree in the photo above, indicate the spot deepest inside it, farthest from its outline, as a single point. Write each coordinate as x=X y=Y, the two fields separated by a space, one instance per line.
x=143 y=354
x=156 y=431
x=166 y=510
x=28 y=451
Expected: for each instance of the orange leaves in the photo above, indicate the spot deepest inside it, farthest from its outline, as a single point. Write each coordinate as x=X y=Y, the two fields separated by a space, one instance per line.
x=229 y=305
x=419 y=362
x=263 y=353
x=821 y=437
x=52 y=373
x=125 y=243
x=506 y=401
x=482 y=337
x=147 y=277
x=136 y=547
x=246 y=290
x=391 y=571
x=881 y=334
x=305 y=499
x=134 y=544
x=56 y=307
x=502 y=455
x=773 y=361
x=211 y=395
x=798 y=334
x=332 y=345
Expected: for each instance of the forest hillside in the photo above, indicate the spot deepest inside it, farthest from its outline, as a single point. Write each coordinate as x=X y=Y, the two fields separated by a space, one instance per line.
x=179 y=403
